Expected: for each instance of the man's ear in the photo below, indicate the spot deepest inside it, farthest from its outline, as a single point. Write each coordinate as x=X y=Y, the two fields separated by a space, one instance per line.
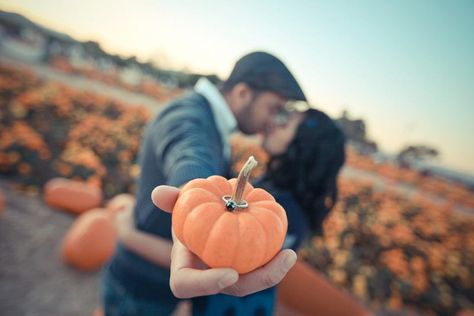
x=242 y=92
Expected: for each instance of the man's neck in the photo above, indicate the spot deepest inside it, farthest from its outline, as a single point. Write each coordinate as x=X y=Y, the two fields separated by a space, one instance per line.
x=229 y=103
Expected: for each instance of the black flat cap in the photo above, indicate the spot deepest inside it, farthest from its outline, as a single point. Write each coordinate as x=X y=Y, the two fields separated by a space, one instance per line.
x=263 y=71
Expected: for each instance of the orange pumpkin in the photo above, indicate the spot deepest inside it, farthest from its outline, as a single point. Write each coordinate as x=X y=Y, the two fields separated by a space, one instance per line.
x=90 y=242
x=72 y=196
x=120 y=203
x=228 y=223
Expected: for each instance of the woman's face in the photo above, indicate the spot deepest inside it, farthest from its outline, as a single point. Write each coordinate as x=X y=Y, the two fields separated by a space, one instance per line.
x=277 y=140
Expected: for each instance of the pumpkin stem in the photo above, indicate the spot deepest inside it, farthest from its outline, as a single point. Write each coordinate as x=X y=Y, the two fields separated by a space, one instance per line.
x=242 y=179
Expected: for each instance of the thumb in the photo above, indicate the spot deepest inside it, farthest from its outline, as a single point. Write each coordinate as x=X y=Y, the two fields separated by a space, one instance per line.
x=164 y=197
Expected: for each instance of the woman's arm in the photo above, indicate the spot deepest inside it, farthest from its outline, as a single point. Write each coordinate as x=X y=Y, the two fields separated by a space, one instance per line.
x=153 y=248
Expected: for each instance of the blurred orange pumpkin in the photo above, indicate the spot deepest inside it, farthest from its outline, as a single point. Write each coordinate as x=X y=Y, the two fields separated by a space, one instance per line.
x=90 y=242
x=72 y=196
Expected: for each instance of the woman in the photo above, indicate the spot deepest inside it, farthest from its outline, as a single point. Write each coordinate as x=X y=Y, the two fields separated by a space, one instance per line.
x=306 y=155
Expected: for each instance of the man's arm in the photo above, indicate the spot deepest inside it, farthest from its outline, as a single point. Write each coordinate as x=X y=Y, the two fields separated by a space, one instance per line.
x=180 y=142
x=185 y=145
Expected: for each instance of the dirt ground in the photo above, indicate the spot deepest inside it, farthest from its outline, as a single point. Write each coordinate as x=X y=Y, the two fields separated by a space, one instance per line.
x=33 y=280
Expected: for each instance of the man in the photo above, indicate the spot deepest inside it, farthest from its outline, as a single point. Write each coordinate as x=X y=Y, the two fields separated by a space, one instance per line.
x=188 y=140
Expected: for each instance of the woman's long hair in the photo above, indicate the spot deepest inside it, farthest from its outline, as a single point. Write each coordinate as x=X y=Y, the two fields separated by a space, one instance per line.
x=309 y=168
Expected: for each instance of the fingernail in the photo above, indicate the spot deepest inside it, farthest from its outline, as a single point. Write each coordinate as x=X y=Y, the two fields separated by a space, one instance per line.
x=289 y=261
x=228 y=279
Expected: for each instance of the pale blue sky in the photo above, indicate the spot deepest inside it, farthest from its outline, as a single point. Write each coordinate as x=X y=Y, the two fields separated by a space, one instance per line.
x=407 y=67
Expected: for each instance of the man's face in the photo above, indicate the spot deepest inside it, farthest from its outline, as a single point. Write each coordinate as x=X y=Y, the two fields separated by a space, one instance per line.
x=277 y=141
x=260 y=113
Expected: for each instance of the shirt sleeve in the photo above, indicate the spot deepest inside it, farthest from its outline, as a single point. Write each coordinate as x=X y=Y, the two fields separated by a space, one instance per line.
x=184 y=148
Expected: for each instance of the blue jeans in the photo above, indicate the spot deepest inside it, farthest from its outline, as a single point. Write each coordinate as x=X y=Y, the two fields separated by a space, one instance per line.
x=119 y=302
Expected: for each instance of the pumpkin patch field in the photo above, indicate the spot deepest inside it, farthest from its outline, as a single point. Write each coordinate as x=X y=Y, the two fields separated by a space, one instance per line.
x=395 y=253
x=50 y=130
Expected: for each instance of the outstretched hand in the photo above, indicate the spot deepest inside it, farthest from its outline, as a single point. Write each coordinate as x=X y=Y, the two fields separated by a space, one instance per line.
x=190 y=277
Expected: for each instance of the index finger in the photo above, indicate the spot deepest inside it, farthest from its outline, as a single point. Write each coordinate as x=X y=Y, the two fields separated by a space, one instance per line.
x=164 y=197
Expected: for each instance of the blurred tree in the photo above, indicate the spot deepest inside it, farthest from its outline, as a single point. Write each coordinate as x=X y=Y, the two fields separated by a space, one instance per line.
x=356 y=131
x=417 y=153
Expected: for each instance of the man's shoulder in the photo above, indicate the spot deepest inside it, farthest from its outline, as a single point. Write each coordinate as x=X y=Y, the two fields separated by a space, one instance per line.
x=191 y=104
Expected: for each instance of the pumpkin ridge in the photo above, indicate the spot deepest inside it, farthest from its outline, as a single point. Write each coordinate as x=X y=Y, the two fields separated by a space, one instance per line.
x=270 y=207
x=274 y=215
x=264 y=234
x=211 y=233
x=248 y=262
x=260 y=208
x=187 y=197
x=222 y=190
x=238 y=243
x=203 y=189
x=218 y=188
x=201 y=183
x=263 y=195
x=207 y=235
